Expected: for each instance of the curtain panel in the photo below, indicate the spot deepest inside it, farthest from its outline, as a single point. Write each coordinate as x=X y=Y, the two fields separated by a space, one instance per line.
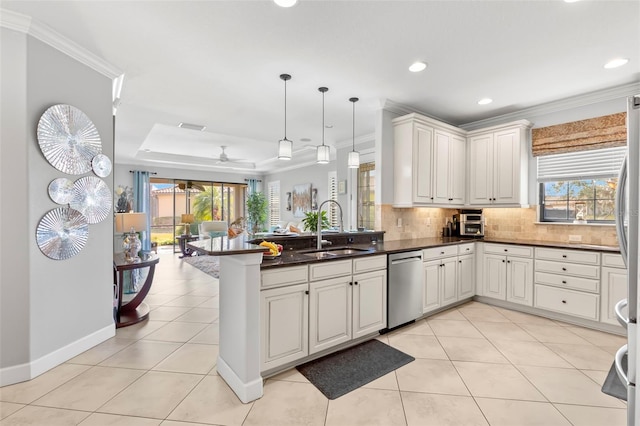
x=595 y=133
x=141 y=203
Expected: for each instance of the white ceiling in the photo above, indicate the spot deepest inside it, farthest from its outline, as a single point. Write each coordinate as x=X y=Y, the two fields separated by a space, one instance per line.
x=217 y=64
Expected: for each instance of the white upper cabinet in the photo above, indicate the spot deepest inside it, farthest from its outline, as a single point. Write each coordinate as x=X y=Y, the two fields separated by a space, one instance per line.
x=498 y=164
x=429 y=162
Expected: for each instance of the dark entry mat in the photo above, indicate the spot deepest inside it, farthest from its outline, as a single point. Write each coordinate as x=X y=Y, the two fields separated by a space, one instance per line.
x=339 y=373
x=613 y=385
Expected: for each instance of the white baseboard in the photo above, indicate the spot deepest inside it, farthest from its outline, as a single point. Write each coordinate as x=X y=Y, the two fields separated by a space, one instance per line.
x=246 y=392
x=30 y=370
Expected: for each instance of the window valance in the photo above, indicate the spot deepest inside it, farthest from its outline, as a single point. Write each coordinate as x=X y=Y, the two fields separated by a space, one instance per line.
x=594 y=133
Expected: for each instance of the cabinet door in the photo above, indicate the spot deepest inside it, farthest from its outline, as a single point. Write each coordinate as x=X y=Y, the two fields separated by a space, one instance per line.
x=369 y=303
x=457 y=169
x=466 y=275
x=614 y=289
x=329 y=313
x=494 y=276
x=507 y=167
x=520 y=280
x=448 y=293
x=431 y=283
x=441 y=156
x=285 y=331
x=480 y=179
x=422 y=164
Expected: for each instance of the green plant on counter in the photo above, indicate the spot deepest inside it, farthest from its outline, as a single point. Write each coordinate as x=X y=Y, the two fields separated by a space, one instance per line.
x=311 y=221
x=257 y=210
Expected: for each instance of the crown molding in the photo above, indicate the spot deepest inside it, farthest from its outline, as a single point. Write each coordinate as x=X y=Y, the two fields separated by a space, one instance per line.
x=25 y=24
x=557 y=106
x=370 y=137
x=401 y=109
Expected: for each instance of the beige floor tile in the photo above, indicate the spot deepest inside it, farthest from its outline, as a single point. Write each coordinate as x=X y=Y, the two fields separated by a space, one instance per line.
x=483 y=314
x=142 y=355
x=522 y=318
x=418 y=346
x=153 y=395
x=431 y=376
x=502 y=412
x=610 y=349
x=384 y=338
x=597 y=376
x=599 y=338
x=187 y=301
x=99 y=353
x=593 y=416
x=419 y=327
x=366 y=407
x=451 y=314
x=530 y=353
x=441 y=410
x=210 y=335
x=138 y=331
x=190 y=358
x=40 y=416
x=212 y=303
x=454 y=328
x=290 y=375
x=496 y=381
x=98 y=419
x=212 y=401
x=175 y=423
x=8 y=408
x=585 y=357
x=155 y=300
x=91 y=389
x=388 y=382
x=167 y=313
x=288 y=403
x=553 y=334
x=176 y=332
x=204 y=315
x=498 y=330
x=466 y=349
x=568 y=386
x=29 y=391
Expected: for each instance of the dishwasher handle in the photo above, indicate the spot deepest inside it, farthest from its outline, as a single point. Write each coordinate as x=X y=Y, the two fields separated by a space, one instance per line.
x=406 y=259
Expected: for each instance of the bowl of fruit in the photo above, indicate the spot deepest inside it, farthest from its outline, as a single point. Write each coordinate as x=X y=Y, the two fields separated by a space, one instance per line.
x=272 y=251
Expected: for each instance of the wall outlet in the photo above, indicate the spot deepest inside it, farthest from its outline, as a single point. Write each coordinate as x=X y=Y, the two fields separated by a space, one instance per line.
x=575 y=238
x=399 y=222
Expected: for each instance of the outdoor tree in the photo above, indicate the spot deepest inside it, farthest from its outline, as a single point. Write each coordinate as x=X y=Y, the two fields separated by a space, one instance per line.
x=207 y=204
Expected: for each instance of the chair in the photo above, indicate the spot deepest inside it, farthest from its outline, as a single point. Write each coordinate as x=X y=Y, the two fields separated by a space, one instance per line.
x=212 y=228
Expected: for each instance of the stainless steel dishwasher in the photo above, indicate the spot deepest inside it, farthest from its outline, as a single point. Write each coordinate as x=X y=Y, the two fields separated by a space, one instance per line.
x=404 y=287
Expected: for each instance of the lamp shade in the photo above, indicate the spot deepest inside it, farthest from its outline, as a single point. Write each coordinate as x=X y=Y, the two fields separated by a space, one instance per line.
x=187 y=218
x=285 y=148
x=353 y=160
x=323 y=154
x=125 y=222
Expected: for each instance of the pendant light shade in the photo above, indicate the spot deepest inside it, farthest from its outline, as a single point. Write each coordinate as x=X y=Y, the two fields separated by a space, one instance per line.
x=323 y=152
x=353 y=160
x=285 y=146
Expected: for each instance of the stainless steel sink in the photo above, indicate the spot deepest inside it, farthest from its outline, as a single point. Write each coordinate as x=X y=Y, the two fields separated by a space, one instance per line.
x=349 y=250
x=320 y=254
x=332 y=252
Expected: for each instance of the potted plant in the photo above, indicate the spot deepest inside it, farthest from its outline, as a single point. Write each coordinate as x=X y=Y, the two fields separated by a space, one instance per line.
x=257 y=209
x=310 y=221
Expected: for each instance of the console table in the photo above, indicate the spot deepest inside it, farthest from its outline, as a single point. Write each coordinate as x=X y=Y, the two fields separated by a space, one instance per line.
x=135 y=310
x=182 y=243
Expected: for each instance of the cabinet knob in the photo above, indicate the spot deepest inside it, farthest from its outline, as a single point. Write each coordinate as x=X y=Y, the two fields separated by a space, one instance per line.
x=441 y=252
x=459 y=261
x=350 y=282
x=432 y=198
x=306 y=292
x=564 y=269
x=564 y=301
x=506 y=250
x=450 y=199
x=502 y=260
x=508 y=261
x=356 y=283
x=564 y=256
x=564 y=282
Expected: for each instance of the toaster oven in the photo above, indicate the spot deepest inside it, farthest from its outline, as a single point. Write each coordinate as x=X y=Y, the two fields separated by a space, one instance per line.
x=470 y=224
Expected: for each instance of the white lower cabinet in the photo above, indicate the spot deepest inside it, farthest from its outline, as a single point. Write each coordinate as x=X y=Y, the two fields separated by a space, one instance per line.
x=369 y=303
x=614 y=289
x=466 y=276
x=508 y=277
x=520 y=280
x=285 y=329
x=431 y=286
x=570 y=302
x=330 y=310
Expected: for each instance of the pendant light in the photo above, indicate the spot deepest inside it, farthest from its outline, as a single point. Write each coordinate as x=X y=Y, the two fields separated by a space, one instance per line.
x=323 y=151
x=353 y=160
x=285 y=146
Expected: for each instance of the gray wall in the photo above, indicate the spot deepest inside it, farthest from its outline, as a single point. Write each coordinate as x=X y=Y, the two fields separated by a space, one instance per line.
x=47 y=305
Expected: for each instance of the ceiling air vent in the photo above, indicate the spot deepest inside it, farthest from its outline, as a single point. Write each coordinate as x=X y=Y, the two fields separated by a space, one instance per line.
x=190 y=126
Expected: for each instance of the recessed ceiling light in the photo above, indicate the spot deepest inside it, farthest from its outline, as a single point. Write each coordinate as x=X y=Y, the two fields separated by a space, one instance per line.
x=485 y=101
x=197 y=127
x=417 y=66
x=571 y=1
x=285 y=3
x=615 y=63
x=147 y=150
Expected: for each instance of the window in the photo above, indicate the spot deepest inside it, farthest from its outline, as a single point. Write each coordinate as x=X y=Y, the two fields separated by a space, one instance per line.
x=273 y=197
x=366 y=196
x=332 y=186
x=579 y=185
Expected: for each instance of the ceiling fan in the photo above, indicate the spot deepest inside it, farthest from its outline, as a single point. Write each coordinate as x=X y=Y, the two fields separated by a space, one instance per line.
x=237 y=163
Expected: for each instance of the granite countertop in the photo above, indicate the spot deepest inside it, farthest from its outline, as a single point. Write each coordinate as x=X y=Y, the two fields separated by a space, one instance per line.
x=221 y=246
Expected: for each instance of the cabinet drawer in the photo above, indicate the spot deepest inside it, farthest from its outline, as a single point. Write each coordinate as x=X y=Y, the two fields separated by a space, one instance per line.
x=510 y=250
x=466 y=248
x=369 y=263
x=437 y=252
x=565 y=268
x=284 y=276
x=336 y=268
x=575 y=283
x=612 y=260
x=584 y=305
x=575 y=256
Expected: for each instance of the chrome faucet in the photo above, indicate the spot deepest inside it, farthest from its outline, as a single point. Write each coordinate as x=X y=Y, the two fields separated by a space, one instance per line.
x=319 y=244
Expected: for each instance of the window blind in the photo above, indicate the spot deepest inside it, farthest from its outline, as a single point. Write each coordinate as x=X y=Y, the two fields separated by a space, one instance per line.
x=273 y=197
x=599 y=163
x=333 y=195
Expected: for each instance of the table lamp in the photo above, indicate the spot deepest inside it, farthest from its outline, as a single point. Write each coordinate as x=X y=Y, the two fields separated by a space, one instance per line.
x=130 y=224
x=187 y=219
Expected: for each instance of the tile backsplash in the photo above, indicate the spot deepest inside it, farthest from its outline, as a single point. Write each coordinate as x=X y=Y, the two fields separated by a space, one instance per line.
x=501 y=223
